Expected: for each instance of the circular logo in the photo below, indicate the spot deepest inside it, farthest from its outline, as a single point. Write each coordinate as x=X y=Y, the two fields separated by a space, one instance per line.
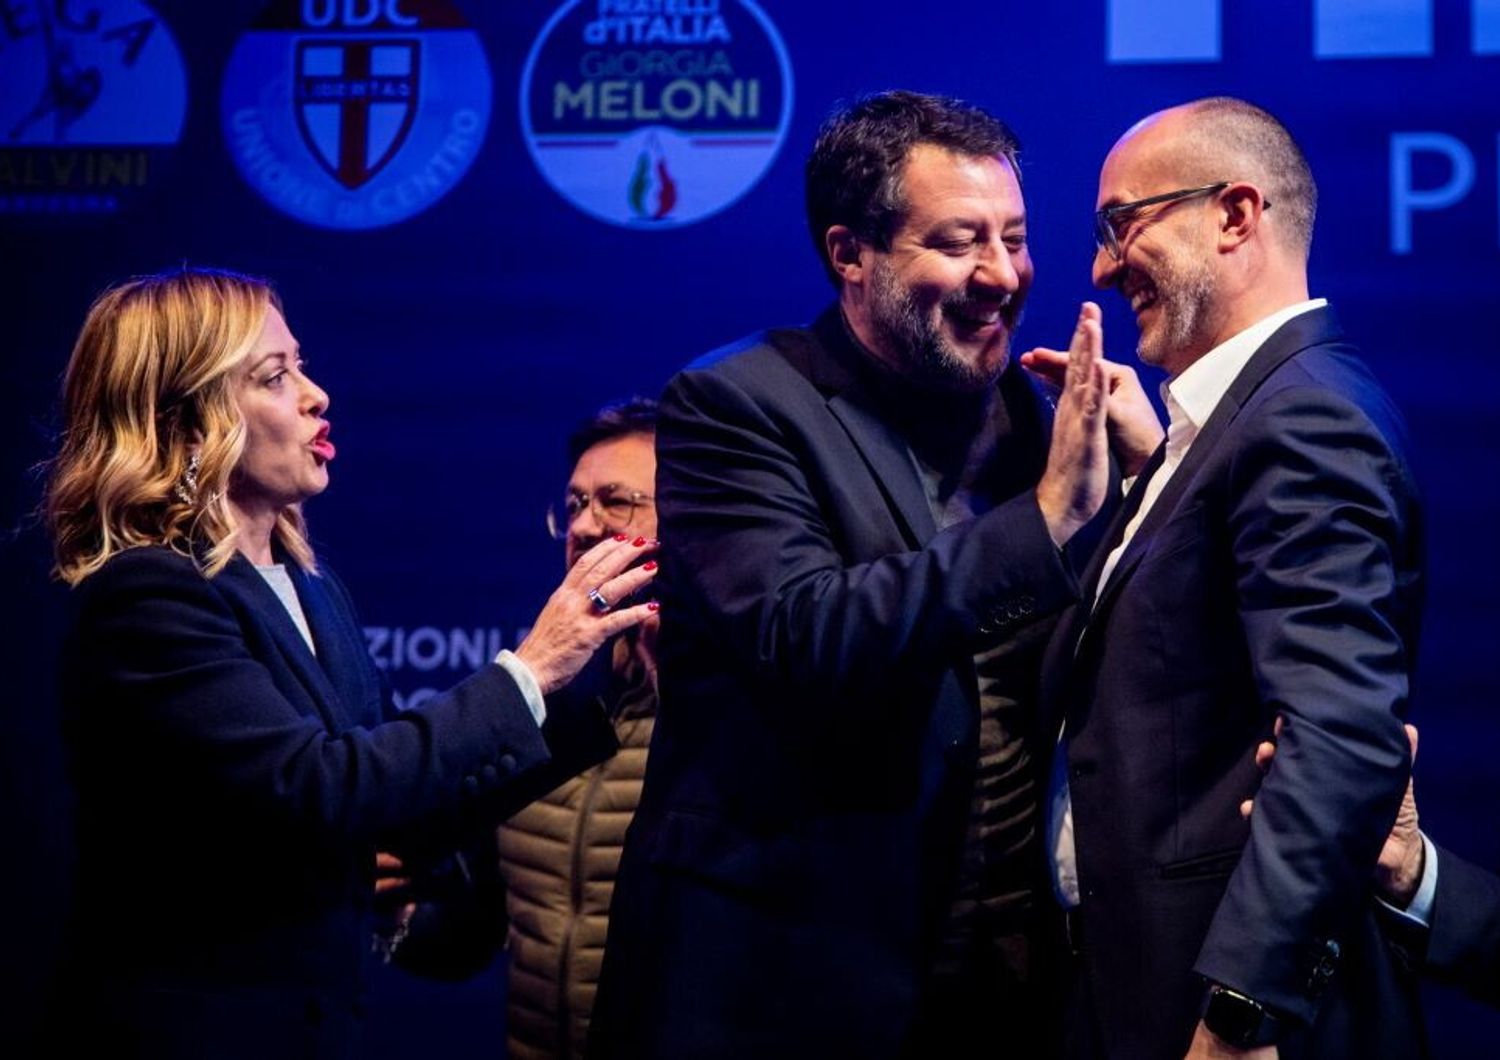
x=91 y=95
x=655 y=113
x=356 y=113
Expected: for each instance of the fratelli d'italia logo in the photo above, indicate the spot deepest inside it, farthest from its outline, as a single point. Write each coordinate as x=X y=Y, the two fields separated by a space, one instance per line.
x=655 y=113
x=356 y=113
x=92 y=99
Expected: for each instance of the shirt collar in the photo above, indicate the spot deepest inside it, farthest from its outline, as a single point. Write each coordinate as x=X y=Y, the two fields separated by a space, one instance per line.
x=1197 y=390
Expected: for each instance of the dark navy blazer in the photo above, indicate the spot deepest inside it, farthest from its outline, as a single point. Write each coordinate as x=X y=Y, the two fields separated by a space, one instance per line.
x=1462 y=946
x=232 y=790
x=797 y=839
x=1279 y=572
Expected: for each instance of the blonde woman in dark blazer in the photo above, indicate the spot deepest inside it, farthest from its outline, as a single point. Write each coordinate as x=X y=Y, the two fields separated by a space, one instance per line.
x=236 y=753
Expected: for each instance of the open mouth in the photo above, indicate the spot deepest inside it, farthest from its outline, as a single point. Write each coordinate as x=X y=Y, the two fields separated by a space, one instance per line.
x=972 y=316
x=322 y=448
x=1141 y=295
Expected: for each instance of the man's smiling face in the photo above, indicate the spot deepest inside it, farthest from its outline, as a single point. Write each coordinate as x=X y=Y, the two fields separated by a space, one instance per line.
x=945 y=298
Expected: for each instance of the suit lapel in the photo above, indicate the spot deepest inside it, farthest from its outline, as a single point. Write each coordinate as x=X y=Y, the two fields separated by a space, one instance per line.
x=852 y=402
x=1057 y=665
x=341 y=647
x=241 y=579
x=1126 y=512
x=891 y=463
x=1310 y=329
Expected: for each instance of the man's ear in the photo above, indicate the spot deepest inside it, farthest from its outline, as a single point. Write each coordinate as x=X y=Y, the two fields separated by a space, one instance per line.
x=1240 y=208
x=843 y=249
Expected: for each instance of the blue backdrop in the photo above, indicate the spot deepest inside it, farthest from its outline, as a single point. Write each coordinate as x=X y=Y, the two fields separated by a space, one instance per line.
x=488 y=218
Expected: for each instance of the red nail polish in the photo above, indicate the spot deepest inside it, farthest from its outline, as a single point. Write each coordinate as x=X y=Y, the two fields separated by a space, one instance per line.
x=653 y=606
x=621 y=537
x=650 y=564
x=638 y=542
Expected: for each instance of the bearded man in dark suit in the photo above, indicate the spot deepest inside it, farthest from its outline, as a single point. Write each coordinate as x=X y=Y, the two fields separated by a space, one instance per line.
x=863 y=524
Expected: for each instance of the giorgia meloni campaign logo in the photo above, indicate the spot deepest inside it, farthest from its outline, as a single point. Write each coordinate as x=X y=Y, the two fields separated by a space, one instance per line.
x=654 y=113
x=356 y=113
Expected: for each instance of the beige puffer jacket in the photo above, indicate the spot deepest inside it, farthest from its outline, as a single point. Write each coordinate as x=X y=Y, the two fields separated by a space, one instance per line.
x=559 y=857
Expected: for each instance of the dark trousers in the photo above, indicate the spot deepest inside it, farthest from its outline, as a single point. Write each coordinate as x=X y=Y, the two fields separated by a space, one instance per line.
x=989 y=1004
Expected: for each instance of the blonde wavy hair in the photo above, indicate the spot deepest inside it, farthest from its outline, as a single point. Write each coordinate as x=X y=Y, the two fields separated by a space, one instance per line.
x=151 y=376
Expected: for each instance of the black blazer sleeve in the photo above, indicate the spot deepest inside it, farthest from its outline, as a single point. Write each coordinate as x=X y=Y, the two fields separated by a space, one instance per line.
x=460 y=920
x=749 y=530
x=1321 y=507
x=1464 y=947
x=160 y=666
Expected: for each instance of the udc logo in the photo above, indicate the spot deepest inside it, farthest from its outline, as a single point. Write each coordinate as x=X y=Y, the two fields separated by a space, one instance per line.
x=356 y=113
x=655 y=113
x=91 y=97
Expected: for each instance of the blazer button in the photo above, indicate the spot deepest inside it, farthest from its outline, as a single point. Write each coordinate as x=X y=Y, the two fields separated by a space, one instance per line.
x=1325 y=964
x=471 y=785
x=508 y=763
x=489 y=775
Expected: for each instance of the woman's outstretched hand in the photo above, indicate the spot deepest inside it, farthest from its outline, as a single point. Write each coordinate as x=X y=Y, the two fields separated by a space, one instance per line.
x=585 y=610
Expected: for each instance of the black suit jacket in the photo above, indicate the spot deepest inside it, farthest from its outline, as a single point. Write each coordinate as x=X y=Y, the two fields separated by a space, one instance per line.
x=813 y=758
x=1461 y=946
x=1278 y=573
x=1465 y=945
x=232 y=788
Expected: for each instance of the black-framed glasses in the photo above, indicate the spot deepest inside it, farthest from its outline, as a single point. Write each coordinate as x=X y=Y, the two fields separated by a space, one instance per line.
x=1107 y=237
x=613 y=506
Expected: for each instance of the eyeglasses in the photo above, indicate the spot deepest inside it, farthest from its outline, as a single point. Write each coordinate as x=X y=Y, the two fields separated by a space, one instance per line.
x=1107 y=237
x=613 y=506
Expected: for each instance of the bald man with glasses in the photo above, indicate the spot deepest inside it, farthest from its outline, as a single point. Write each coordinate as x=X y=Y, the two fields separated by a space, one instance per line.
x=1268 y=559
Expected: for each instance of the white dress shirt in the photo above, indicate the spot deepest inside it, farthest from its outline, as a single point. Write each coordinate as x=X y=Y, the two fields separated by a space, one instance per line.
x=1420 y=909
x=531 y=690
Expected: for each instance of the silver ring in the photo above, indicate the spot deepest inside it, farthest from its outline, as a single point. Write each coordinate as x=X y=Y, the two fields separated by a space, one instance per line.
x=600 y=604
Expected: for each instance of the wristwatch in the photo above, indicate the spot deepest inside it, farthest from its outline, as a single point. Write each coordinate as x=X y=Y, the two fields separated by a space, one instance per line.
x=1241 y=1021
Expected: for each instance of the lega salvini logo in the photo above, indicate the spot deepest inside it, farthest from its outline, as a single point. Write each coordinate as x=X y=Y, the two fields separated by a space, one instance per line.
x=655 y=113
x=92 y=99
x=356 y=113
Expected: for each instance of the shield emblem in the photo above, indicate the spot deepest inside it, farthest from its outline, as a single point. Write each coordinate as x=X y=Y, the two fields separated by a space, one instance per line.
x=355 y=101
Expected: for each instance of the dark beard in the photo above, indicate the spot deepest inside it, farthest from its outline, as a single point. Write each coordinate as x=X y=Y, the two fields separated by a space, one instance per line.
x=926 y=358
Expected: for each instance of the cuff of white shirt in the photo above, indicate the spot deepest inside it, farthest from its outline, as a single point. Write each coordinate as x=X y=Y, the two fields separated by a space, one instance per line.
x=1420 y=910
x=1126 y=483
x=526 y=681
